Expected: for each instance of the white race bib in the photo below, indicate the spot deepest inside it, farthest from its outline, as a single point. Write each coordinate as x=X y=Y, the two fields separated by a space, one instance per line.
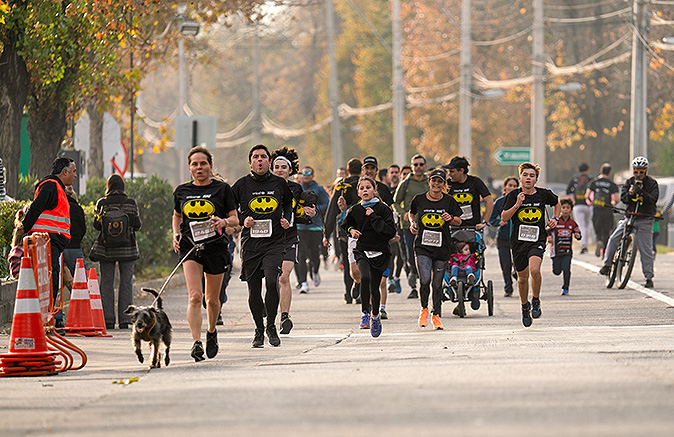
x=261 y=229
x=201 y=230
x=431 y=238
x=467 y=212
x=528 y=233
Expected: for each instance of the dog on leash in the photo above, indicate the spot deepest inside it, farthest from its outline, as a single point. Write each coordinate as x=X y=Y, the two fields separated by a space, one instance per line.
x=151 y=324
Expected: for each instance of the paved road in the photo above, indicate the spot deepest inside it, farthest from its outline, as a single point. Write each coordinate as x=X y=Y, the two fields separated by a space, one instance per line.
x=599 y=362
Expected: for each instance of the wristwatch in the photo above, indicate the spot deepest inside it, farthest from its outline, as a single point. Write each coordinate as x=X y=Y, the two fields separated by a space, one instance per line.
x=556 y=219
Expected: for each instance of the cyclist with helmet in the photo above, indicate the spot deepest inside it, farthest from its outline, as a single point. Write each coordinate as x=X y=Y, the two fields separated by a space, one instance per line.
x=639 y=191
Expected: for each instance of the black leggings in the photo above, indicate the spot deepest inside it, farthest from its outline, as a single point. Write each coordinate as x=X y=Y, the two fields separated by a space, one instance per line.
x=271 y=298
x=370 y=278
x=344 y=256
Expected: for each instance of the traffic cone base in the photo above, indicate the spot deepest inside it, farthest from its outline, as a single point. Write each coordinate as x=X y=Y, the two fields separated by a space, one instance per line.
x=79 y=312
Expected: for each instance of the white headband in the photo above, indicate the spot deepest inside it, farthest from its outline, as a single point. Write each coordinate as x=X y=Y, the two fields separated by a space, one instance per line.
x=290 y=164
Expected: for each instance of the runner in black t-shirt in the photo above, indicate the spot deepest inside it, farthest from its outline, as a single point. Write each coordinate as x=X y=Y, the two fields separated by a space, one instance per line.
x=431 y=215
x=469 y=191
x=266 y=209
x=526 y=207
x=285 y=162
x=602 y=194
x=197 y=217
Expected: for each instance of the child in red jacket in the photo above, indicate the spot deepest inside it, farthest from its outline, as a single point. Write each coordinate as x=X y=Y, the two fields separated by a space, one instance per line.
x=463 y=260
x=561 y=243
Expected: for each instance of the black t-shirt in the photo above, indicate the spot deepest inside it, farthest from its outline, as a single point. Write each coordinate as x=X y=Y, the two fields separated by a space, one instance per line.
x=467 y=196
x=433 y=238
x=291 y=232
x=197 y=203
x=384 y=193
x=529 y=219
x=263 y=198
x=577 y=187
x=603 y=189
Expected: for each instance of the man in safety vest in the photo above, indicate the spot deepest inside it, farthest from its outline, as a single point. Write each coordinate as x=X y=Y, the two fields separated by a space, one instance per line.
x=50 y=213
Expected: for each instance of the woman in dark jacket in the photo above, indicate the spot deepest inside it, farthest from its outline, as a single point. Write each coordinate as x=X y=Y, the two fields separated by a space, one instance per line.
x=503 y=236
x=116 y=243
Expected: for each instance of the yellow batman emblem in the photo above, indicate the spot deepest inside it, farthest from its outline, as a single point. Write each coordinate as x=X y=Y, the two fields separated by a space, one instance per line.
x=529 y=215
x=432 y=221
x=263 y=204
x=298 y=207
x=463 y=198
x=342 y=186
x=198 y=209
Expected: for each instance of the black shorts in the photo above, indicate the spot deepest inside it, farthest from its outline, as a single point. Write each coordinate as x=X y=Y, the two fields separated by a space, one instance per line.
x=254 y=262
x=290 y=252
x=522 y=253
x=214 y=257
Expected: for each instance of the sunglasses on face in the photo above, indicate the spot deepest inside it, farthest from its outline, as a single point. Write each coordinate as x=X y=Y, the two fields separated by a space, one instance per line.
x=416 y=164
x=306 y=173
x=639 y=171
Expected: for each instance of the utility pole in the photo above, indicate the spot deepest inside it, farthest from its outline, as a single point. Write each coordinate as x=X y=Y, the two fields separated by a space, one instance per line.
x=336 y=124
x=399 y=150
x=638 y=125
x=465 y=116
x=538 y=95
x=132 y=102
x=257 y=116
x=182 y=161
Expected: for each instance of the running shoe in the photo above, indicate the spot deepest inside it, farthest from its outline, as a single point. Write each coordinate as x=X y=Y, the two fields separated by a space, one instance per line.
x=212 y=346
x=508 y=293
x=565 y=291
x=398 y=289
x=535 y=307
x=423 y=317
x=605 y=270
x=365 y=321
x=437 y=324
x=382 y=313
x=347 y=298
x=258 y=340
x=198 y=351
x=286 y=325
x=471 y=278
x=375 y=329
x=304 y=288
x=391 y=286
x=526 y=315
x=355 y=290
x=456 y=311
x=219 y=322
x=452 y=281
x=317 y=279
x=649 y=283
x=272 y=336
x=475 y=299
x=413 y=294
x=600 y=247
x=583 y=250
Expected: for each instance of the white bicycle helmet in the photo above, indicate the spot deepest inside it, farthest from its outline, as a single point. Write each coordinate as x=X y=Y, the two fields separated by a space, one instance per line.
x=640 y=162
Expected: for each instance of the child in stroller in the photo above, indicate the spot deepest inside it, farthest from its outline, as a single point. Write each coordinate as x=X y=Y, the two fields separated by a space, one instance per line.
x=464 y=260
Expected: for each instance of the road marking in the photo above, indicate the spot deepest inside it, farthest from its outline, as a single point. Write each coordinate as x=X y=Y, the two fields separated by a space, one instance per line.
x=631 y=284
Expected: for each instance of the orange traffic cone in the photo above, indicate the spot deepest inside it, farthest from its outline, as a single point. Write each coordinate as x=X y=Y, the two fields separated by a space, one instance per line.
x=80 y=321
x=28 y=353
x=96 y=304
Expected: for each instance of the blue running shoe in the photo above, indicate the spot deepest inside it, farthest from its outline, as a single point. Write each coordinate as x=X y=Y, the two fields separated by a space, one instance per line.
x=565 y=291
x=399 y=289
x=375 y=329
x=365 y=321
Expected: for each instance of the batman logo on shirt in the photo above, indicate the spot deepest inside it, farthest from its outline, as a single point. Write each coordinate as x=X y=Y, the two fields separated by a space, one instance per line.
x=342 y=186
x=198 y=209
x=529 y=215
x=263 y=204
x=432 y=220
x=463 y=198
x=298 y=207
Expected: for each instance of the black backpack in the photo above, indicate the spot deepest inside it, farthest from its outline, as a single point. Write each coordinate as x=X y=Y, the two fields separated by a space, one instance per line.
x=115 y=228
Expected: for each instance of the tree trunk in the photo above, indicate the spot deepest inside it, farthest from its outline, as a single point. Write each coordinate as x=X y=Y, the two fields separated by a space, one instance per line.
x=46 y=130
x=13 y=93
x=95 y=162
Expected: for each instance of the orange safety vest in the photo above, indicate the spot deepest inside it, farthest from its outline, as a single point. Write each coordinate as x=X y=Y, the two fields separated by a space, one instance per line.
x=57 y=220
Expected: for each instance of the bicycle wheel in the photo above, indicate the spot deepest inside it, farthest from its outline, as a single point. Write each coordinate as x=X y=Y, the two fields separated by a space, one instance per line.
x=630 y=255
x=610 y=279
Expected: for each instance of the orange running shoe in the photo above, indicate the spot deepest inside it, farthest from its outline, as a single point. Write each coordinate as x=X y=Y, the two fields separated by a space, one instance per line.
x=437 y=324
x=423 y=317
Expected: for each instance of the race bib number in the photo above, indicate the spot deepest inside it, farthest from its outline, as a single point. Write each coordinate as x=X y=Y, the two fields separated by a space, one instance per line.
x=528 y=233
x=467 y=213
x=261 y=229
x=431 y=238
x=201 y=230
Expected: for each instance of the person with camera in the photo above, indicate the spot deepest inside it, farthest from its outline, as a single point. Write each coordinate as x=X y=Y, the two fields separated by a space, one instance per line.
x=118 y=220
x=640 y=193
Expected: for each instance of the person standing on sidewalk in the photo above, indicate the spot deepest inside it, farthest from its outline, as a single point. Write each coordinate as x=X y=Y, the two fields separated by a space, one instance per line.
x=415 y=183
x=526 y=207
x=640 y=193
x=265 y=205
x=50 y=212
x=117 y=219
x=603 y=195
x=503 y=236
x=431 y=215
x=370 y=223
x=581 y=210
x=311 y=234
x=78 y=228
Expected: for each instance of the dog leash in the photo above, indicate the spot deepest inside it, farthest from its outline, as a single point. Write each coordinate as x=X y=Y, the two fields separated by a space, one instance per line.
x=163 y=287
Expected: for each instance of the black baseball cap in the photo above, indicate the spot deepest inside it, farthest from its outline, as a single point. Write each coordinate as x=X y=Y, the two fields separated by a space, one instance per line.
x=438 y=173
x=457 y=162
x=370 y=160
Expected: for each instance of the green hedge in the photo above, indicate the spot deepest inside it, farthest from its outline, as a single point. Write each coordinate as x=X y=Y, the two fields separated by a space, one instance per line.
x=154 y=197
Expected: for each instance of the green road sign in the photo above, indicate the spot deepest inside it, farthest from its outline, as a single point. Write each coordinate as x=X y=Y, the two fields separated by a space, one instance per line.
x=512 y=155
